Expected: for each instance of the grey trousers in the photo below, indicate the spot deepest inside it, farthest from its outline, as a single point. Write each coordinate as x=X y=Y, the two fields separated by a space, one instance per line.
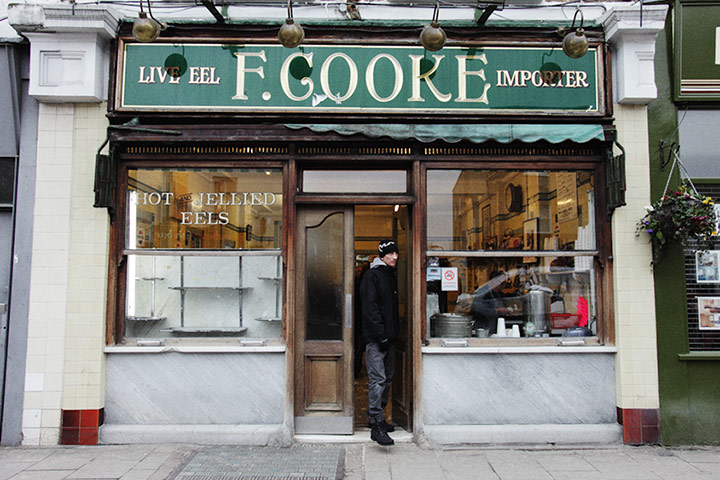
x=381 y=368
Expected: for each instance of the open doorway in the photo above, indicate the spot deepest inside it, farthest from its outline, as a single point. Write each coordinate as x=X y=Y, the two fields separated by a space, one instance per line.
x=373 y=223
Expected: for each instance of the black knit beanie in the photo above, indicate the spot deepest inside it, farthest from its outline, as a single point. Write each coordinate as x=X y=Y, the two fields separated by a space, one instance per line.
x=387 y=246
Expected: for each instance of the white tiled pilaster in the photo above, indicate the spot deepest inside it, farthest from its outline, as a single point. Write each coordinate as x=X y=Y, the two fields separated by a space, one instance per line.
x=635 y=334
x=65 y=364
x=49 y=274
x=87 y=270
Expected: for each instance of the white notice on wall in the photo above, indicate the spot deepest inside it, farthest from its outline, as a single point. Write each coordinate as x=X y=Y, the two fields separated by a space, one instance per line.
x=449 y=279
x=717 y=46
x=433 y=274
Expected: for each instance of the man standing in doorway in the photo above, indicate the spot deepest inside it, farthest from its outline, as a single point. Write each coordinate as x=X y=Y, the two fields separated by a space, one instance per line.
x=379 y=297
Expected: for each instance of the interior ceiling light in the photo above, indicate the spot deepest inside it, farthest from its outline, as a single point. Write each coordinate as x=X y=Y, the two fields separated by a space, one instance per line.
x=146 y=29
x=291 y=34
x=433 y=37
x=575 y=43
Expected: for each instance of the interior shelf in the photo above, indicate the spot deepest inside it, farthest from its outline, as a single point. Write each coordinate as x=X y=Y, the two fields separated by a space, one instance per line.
x=277 y=280
x=209 y=288
x=144 y=319
x=210 y=331
x=218 y=331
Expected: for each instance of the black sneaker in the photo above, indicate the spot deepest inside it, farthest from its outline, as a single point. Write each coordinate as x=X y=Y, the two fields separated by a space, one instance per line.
x=378 y=434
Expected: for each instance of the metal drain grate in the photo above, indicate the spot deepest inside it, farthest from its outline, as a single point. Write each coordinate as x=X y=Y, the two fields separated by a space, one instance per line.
x=298 y=462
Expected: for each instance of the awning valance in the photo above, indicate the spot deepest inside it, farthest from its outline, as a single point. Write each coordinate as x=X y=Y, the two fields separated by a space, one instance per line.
x=476 y=133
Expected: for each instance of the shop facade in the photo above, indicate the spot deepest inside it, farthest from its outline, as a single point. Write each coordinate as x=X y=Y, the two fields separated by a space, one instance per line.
x=688 y=339
x=229 y=194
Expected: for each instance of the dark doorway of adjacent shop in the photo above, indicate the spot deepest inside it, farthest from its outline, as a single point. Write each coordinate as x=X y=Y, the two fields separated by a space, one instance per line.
x=373 y=223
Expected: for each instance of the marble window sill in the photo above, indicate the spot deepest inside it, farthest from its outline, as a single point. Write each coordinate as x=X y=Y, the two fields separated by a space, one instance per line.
x=271 y=347
x=519 y=349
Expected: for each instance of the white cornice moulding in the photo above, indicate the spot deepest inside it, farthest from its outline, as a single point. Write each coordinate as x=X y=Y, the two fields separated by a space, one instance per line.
x=63 y=18
x=633 y=45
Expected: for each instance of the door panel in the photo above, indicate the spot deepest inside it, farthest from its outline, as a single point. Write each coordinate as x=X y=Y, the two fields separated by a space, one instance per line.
x=402 y=382
x=323 y=316
x=323 y=382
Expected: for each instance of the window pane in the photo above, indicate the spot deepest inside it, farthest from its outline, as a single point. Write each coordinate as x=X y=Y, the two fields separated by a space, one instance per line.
x=354 y=181
x=204 y=296
x=324 y=300
x=542 y=296
x=7 y=180
x=204 y=208
x=510 y=210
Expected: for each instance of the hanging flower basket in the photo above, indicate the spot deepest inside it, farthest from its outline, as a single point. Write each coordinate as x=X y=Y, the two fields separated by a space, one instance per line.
x=680 y=215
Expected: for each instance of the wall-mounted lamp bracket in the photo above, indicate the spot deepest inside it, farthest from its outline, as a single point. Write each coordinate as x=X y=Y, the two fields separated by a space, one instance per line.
x=213 y=10
x=483 y=10
x=673 y=148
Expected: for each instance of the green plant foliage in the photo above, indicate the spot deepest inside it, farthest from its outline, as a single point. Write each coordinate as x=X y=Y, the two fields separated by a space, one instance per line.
x=679 y=216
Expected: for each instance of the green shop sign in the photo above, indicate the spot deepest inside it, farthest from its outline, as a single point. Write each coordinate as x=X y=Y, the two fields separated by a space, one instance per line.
x=697 y=51
x=357 y=79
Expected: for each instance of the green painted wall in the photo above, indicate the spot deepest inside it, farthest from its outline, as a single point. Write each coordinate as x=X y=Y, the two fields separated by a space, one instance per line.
x=689 y=390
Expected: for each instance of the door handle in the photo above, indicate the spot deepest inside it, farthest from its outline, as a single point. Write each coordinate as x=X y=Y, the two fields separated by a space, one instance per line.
x=348 y=310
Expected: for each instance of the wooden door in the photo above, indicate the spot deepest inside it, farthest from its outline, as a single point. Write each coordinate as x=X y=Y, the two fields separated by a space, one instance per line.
x=323 y=316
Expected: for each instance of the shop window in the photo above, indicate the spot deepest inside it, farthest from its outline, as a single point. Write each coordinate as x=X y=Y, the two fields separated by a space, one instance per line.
x=702 y=275
x=7 y=181
x=203 y=251
x=511 y=253
x=352 y=181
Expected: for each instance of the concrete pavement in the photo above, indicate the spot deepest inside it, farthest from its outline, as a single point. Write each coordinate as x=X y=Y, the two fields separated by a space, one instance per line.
x=359 y=461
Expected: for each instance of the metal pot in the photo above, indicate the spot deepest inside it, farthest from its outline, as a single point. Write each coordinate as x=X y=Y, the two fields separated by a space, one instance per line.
x=452 y=325
x=537 y=308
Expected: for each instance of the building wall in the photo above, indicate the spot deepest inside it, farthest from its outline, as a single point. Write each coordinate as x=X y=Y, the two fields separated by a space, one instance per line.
x=68 y=274
x=519 y=395
x=689 y=410
x=636 y=363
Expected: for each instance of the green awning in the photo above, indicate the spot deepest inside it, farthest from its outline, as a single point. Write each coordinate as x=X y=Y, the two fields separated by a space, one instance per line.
x=476 y=133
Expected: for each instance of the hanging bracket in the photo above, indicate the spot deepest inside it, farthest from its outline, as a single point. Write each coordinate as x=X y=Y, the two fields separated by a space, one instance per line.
x=673 y=148
x=483 y=10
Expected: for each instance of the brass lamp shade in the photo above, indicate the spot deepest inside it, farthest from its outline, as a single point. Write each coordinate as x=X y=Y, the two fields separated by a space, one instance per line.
x=575 y=44
x=291 y=34
x=145 y=29
x=433 y=37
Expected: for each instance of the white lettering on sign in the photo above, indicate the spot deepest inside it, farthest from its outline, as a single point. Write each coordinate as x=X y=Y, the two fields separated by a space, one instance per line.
x=212 y=199
x=325 y=77
x=717 y=46
x=417 y=76
x=285 y=77
x=161 y=73
x=241 y=70
x=203 y=76
x=204 y=218
x=370 y=77
x=154 y=198
x=542 y=78
x=463 y=72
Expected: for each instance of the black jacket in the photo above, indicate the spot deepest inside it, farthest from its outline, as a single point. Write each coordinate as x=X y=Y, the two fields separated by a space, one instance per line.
x=379 y=299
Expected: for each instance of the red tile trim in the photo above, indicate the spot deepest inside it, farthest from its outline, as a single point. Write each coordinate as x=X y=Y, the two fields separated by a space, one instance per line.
x=640 y=425
x=80 y=427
